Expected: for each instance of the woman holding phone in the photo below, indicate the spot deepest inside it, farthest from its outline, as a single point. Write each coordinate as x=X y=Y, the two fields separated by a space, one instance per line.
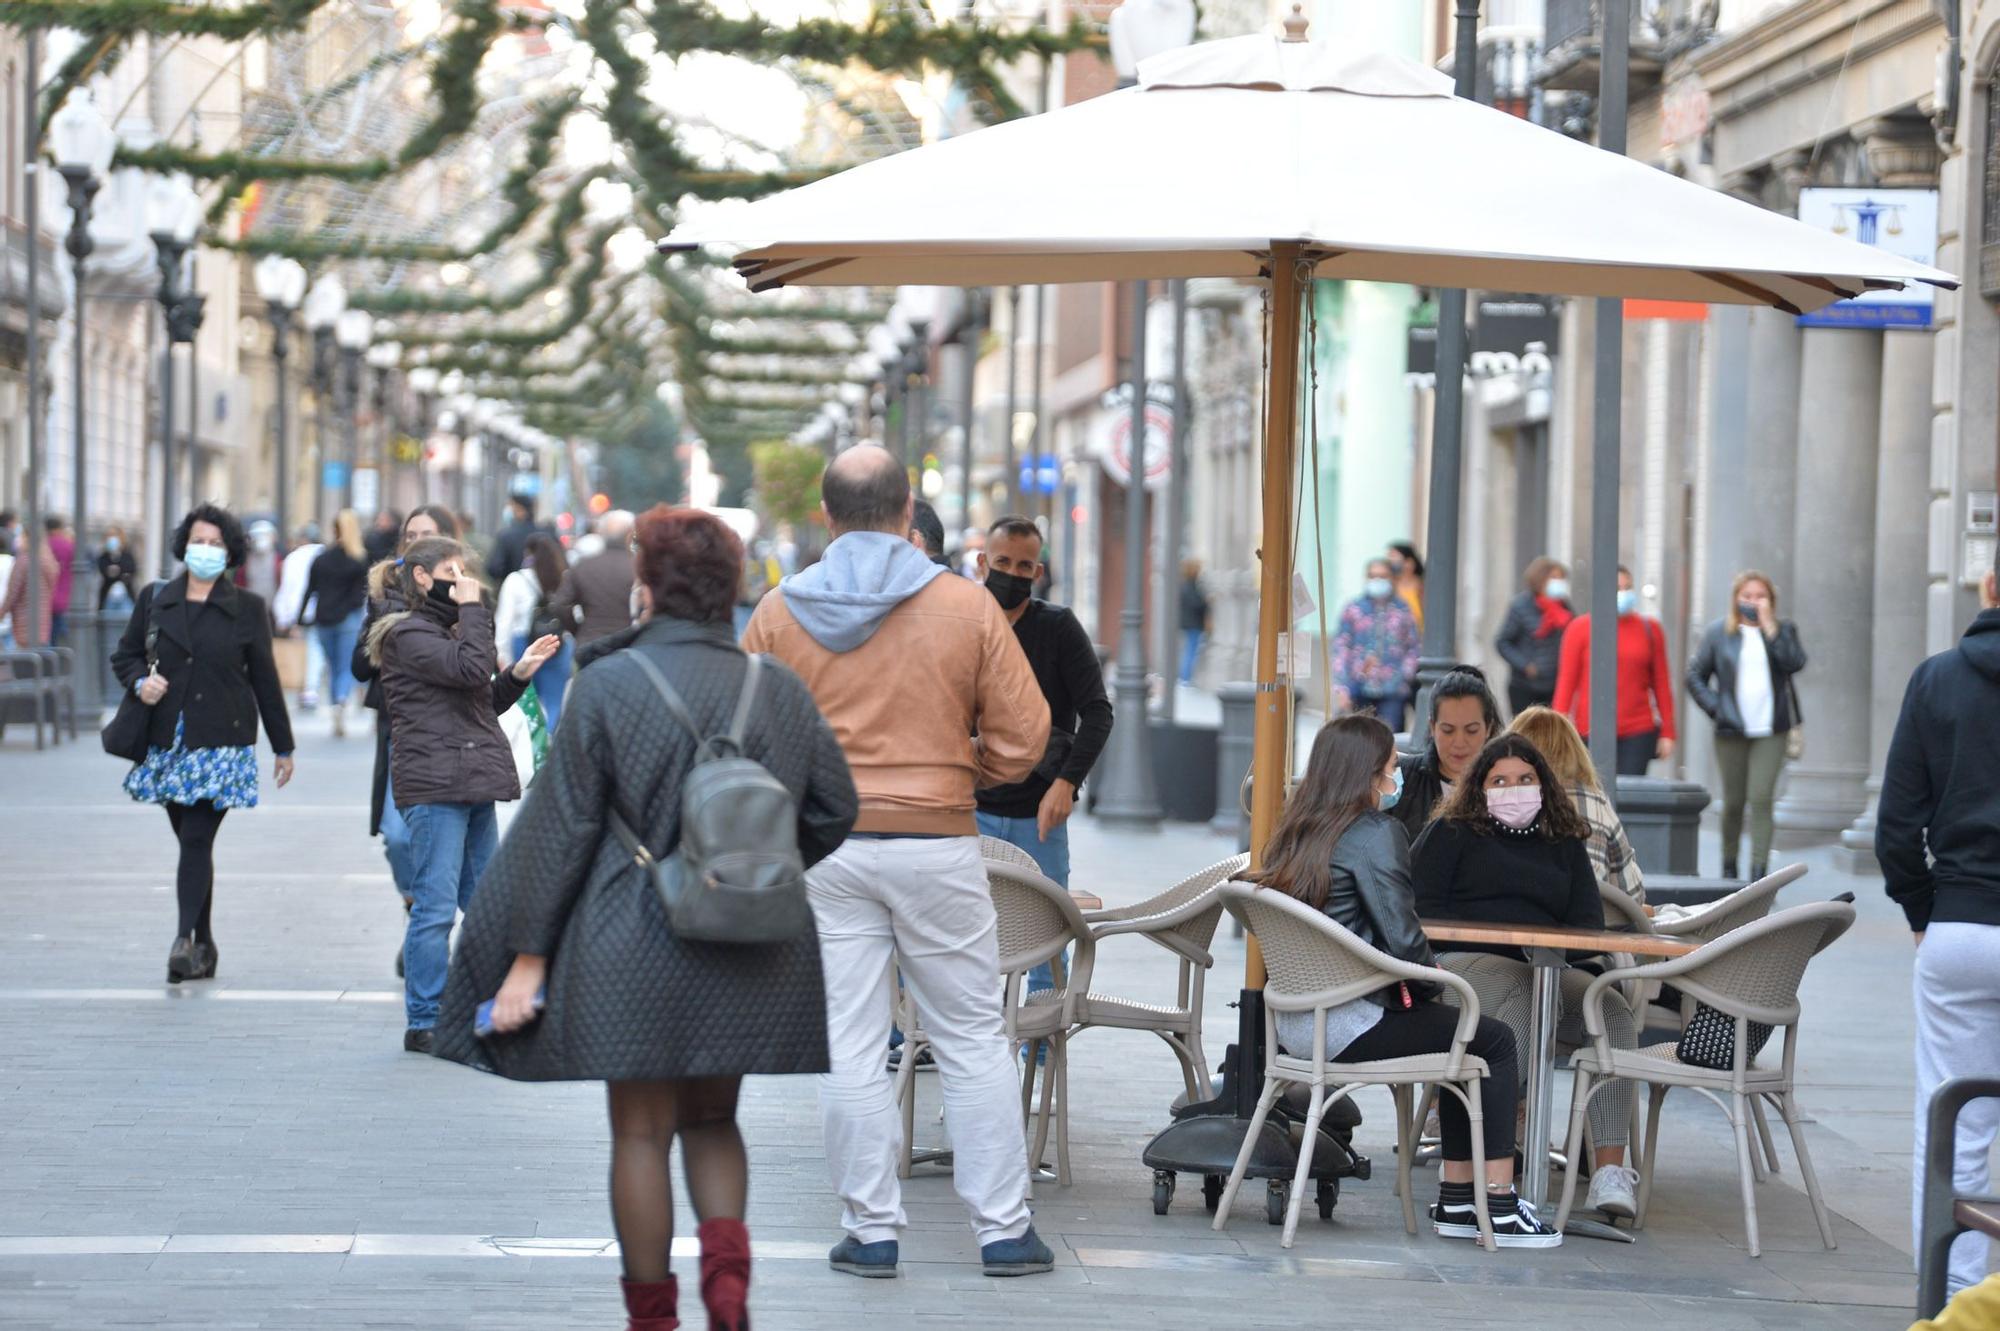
x=451 y=764
x=197 y=652
x=671 y=1025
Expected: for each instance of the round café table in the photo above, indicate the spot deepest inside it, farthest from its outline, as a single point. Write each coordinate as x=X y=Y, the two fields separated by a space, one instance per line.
x=1546 y=949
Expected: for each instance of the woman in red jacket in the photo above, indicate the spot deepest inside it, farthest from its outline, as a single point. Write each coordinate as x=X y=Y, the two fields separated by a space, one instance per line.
x=1645 y=684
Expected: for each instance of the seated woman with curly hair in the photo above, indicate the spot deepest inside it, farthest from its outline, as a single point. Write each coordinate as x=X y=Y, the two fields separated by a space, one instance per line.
x=1509 y=847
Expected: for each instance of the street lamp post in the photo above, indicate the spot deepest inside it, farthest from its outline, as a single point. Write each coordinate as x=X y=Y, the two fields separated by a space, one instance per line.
x=1127 y=793
x=383 y=358
x=973 y=331
x=424 y=383
x=281 y=284
x=350 y=334
x=1010 y=476
x=83 y=145
x=173 y=211
x=1440 y=647
x=919 y=409
x=323 y=307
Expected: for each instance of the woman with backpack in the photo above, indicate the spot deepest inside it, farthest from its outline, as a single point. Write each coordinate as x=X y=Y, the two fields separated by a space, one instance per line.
x=525 y=614
x=570 y=939
x=450 y=763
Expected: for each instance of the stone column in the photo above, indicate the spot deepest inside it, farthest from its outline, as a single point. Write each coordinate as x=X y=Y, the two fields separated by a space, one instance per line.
x=1831 y=595
x=1901 y=487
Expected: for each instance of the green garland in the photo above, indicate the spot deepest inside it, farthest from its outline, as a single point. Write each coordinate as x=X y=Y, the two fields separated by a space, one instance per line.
x=95 y=18
x=454 y=75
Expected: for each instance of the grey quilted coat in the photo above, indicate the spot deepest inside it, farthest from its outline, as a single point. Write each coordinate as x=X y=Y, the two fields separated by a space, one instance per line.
x=627 y=1000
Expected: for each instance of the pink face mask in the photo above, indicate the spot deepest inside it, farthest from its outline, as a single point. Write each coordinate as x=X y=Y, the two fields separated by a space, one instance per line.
x=1515 y=806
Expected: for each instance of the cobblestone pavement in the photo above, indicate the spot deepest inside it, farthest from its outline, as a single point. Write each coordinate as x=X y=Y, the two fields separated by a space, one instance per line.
x=259 y=1152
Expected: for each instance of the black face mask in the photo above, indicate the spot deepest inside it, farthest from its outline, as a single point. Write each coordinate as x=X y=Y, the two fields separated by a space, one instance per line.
x=440 y=592
x=1747 y=612
x=1008 y=589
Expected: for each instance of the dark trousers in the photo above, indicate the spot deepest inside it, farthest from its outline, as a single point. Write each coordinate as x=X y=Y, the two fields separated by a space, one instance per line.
x=1427 y=1028
x=1635 y=752
x=195 y=826
x=1523 y=693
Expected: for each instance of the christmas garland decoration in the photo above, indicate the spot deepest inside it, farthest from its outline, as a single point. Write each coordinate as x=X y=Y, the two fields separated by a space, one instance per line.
x=96 y=18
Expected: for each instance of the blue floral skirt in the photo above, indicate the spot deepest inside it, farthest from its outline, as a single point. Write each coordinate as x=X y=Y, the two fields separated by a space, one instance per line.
x=226 y=777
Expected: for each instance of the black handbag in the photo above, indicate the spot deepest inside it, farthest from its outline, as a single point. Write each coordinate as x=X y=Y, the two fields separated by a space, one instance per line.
x=126 y=734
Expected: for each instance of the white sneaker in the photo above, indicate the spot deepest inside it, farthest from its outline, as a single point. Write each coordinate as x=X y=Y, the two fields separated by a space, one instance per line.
x=1611 y=1191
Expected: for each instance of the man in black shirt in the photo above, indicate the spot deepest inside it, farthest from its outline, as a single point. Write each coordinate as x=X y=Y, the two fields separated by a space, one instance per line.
x=1034 y=813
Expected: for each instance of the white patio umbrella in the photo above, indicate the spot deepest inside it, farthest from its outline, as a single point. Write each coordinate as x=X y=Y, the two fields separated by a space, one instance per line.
x=1284 y=160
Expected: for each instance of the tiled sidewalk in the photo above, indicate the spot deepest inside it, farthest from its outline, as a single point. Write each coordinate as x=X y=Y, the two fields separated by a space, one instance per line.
x=260 y=1153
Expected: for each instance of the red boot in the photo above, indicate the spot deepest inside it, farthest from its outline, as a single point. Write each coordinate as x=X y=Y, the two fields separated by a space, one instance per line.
x=725 y=1273
x=651 y=1306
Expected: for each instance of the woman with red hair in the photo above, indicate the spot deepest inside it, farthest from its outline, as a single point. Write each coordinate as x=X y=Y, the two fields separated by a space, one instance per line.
x=570 y=940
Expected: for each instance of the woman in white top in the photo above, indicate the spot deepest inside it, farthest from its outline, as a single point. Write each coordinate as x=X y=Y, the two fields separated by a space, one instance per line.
x=1742 y=677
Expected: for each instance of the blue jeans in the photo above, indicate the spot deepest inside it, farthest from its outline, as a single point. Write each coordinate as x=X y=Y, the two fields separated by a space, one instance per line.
x=337 y=641
x=1389 y=710
x=1051 y=855
x=396 y=840
x=449 y=847
x=1190 y=650
x=551 y=679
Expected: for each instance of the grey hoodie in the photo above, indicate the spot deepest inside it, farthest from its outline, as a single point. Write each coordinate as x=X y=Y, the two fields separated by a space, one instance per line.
x=863 y=575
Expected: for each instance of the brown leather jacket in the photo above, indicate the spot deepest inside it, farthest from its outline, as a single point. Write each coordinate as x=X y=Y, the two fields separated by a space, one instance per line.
x=939 y=701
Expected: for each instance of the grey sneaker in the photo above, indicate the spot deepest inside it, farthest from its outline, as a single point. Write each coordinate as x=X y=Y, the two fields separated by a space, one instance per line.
x=1025 y=1256
x=871 y=1261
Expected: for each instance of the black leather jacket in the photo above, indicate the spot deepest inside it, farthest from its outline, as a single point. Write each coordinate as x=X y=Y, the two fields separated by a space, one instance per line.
x=1372 y=898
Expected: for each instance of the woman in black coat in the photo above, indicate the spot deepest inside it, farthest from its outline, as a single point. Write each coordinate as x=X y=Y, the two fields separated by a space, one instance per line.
x=442 y=688
x=672 y=1025
x=1531 y=636
x=197 y=652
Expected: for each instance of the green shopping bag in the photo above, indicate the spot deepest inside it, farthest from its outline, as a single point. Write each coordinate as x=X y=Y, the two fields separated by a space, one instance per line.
x=538 y=724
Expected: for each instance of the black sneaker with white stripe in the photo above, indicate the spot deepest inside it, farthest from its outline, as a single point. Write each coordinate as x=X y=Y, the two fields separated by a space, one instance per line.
x=1515 y=1224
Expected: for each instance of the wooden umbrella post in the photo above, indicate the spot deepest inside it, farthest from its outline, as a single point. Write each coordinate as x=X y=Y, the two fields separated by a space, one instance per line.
x=1289 y=277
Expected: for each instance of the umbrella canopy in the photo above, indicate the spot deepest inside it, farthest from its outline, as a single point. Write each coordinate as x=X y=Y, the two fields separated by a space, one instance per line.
x=1368 y=161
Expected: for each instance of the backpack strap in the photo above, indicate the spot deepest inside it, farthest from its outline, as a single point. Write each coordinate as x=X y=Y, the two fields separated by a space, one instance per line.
x=740 y=723
x=675 y=707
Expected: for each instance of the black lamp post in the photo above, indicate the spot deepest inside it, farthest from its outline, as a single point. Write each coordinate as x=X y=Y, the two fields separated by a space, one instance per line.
x=918 y=406
x=83 y=144
x=173 y=212
x=322 y=309
x=350 y=334
x=281 y=283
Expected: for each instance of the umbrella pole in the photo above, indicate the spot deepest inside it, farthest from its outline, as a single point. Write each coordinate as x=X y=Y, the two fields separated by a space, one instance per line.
x=1274 y=592
x=1206 y=1137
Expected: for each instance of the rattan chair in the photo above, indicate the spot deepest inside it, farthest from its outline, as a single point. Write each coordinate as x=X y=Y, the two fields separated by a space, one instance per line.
x=1313 y=964
x=1182 y=920
x=1751 y=973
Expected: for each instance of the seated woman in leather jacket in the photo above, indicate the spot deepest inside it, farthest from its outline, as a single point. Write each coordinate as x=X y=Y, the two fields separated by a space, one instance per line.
x=1339 y=851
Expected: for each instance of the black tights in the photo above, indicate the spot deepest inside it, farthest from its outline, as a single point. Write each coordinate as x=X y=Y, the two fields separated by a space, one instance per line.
x=646 y=1116
x=195 y=826
x=1427 y=1029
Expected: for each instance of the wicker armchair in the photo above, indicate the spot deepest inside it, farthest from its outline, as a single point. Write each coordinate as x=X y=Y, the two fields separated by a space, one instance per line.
x=1751 y=974
x=1182 y=920
x=1313 y=964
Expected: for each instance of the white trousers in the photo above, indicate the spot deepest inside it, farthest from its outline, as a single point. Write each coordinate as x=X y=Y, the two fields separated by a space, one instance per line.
x=1958 y=1035
x=923 y=902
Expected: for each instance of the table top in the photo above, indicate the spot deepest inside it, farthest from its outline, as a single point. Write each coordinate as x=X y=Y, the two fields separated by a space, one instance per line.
x=1574 y=940
x=1086 y=900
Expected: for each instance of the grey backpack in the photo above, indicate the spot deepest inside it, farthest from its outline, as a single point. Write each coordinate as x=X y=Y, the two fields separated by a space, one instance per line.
x=736 y=875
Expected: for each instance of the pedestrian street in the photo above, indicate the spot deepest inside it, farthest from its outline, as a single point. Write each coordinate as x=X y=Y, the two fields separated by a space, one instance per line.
x=258 y=1152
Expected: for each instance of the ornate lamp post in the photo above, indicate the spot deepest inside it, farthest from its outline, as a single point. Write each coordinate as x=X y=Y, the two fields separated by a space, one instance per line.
x=83 y=144
x=281 y=284
x=173 y=212
x=324 y=305
x=383 y=358
x=1127 y=792
x=350 y=334
x=424 y=383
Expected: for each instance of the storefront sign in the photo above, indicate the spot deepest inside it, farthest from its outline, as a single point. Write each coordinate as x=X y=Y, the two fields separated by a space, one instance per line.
x=1902 y=221
x=1112 y=439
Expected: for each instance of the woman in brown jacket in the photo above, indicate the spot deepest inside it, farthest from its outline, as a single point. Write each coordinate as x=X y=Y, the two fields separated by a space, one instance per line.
x=451 y=764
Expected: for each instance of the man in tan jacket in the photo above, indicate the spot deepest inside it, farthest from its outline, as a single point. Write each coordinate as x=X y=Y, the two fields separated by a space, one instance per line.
x=924 y=684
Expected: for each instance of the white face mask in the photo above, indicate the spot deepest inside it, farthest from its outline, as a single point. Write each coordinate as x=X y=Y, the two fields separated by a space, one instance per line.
x=1379 y=588
x=1557 y=589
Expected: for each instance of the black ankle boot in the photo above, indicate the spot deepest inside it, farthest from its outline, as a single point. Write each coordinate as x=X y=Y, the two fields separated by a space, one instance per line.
x=182 y=961
x=1729 y=868
x=206 y=956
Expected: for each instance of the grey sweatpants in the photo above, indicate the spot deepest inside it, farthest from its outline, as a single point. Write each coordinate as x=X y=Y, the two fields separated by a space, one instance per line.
x=1958 y=1035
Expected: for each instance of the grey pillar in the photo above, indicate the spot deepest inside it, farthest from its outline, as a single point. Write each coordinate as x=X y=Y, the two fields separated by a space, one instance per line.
x=1771 y=441
x=1901 y=488
x=1832 y=596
